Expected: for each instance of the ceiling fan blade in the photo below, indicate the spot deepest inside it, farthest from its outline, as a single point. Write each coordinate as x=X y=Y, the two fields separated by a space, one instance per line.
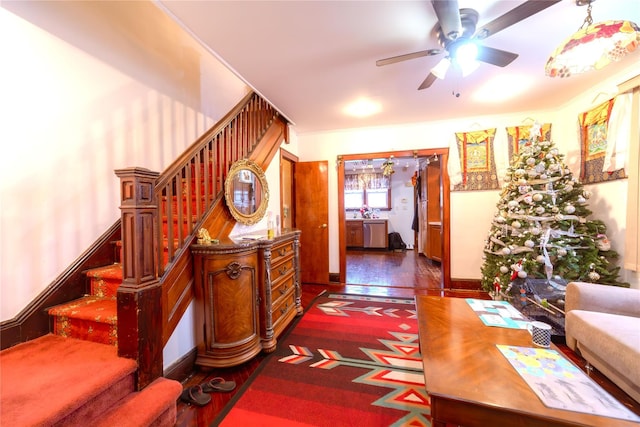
x=525 y=10
x=493 y=56
x=448 y=15
x=428 y=81
x=407 y=56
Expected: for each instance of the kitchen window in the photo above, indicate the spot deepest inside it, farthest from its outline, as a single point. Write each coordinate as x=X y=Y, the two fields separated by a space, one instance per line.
x=370 y=189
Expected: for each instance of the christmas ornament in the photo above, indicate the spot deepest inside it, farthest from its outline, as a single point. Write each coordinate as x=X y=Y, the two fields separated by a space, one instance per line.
x=603 y=243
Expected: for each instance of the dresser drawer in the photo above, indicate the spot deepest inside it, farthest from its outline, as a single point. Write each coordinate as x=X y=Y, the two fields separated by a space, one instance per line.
x=281 y=251
x=281 y=271
x=281 y=289
x=283 y=306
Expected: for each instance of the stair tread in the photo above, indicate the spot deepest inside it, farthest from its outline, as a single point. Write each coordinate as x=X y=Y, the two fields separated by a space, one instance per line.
x=90 y=307
x=49 y=378
x=141 y=408
x=111 y=271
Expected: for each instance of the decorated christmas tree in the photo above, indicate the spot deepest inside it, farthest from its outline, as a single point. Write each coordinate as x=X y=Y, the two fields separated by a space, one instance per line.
x=542 y=229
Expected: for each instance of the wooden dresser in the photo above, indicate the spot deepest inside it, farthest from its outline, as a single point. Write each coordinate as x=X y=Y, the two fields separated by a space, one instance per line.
x=247 y=292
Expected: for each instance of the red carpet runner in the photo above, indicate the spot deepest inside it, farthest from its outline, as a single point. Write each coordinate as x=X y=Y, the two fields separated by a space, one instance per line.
x=351 y=360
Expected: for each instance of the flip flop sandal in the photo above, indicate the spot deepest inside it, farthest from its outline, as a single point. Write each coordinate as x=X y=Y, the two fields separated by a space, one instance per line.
x=195 y=396
x=218 y=384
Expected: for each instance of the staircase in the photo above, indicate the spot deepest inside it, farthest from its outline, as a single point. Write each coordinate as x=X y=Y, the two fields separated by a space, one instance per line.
x=132 y=306
x=56 y=381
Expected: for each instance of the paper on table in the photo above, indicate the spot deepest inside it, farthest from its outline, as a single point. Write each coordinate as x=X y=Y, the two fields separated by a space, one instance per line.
x=561 y=385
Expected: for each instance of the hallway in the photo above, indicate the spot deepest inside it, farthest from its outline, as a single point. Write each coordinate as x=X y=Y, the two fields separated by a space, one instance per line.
x=406 y=269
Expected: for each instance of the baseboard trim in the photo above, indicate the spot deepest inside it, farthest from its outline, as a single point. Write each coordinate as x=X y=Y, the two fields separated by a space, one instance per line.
x=33 y=321
x=469 y=284
x=334 y=277
x=183 y=367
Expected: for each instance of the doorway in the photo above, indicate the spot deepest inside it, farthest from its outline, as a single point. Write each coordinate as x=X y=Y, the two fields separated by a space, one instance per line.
x=444 y=214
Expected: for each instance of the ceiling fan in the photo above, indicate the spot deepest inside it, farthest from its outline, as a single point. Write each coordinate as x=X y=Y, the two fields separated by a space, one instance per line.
x=458 y=37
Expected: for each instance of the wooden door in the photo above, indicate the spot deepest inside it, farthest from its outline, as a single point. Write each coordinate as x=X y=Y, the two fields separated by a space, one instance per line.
x=311 y=182
x=434 y=212
x=287 y=207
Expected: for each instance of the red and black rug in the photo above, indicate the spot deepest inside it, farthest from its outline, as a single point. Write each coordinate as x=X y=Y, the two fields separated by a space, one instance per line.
x=350 y=360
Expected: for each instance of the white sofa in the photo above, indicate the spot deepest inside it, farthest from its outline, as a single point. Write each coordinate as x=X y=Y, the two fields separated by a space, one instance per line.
x=602 y=324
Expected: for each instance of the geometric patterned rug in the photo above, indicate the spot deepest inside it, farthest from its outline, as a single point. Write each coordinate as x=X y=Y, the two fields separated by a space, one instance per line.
x=350 y=360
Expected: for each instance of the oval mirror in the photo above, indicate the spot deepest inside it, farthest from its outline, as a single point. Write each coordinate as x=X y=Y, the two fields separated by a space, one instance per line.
x=246 y=192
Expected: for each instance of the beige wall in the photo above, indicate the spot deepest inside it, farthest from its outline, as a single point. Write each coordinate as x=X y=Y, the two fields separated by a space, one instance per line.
x=471 y=212
x=86 y=90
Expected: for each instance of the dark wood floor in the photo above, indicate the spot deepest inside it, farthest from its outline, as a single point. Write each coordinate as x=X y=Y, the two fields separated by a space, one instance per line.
x=401 y=274
x=388 y=269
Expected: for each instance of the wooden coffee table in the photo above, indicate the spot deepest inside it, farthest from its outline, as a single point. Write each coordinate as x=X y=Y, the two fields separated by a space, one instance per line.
x=469 y=381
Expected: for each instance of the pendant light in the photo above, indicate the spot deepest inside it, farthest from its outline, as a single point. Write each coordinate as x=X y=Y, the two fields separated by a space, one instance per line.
x=593 y=46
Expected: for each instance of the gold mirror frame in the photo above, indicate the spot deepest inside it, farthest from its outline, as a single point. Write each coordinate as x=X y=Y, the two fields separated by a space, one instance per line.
x=246 y=192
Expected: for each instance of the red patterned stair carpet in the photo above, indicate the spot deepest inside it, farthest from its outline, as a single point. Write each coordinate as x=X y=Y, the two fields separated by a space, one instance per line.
x=92 y=317
x=56 y=381
x=350 y=360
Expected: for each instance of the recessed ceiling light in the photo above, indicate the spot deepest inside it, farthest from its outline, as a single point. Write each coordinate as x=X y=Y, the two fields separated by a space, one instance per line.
x=502 y=88
x=363 y=107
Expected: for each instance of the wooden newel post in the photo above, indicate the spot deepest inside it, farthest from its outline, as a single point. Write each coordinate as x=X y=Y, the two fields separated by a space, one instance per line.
x=140 y=295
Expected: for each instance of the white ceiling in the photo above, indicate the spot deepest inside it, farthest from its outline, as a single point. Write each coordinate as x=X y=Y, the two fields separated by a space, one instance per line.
x=311 y=58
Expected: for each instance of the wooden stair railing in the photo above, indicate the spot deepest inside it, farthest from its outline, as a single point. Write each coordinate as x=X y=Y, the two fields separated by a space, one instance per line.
x=160 y=218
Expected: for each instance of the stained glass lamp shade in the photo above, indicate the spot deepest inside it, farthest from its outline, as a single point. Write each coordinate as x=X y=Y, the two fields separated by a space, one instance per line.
x=593 y=47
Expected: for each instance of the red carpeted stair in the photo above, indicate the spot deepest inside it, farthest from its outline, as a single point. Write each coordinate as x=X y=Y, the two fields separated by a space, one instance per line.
x=74 y=376
x=58 y=381
x=93 y=317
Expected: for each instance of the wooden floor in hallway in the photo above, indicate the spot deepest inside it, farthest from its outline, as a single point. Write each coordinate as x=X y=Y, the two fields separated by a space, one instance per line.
x=384 y=268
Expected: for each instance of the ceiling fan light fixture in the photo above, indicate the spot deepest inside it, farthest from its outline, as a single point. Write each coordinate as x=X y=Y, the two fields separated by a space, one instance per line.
x=466 y=52
x=441 y=68
x=593 y=46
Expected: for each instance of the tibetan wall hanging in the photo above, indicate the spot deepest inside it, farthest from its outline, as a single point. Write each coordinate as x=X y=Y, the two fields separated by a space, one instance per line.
x=594 y=126
x=477 y=163
x=519 y=136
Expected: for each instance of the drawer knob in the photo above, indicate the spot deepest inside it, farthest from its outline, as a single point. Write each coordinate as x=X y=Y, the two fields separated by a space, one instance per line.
x=282 y=270
x=283 y=290
x=284 y=309
x=282 y=252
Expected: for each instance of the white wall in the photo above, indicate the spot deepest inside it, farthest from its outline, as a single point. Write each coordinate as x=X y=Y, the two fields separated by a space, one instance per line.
x=471 y=212
x=86 y=90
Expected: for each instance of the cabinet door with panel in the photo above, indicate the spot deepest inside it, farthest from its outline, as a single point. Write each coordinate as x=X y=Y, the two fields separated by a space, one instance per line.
x=355 y=236
x=227 y=305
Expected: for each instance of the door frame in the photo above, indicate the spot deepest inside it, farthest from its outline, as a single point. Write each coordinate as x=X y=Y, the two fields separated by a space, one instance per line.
x=293 y=159
x=443 y=153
